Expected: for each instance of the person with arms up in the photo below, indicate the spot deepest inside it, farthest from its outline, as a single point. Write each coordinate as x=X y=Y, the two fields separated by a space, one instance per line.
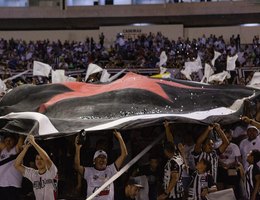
x=101 y=172
x=252 y=141
x=204 y=148
x=172 y=180
x=10 y=178
x=228 y=170
x=44 y=179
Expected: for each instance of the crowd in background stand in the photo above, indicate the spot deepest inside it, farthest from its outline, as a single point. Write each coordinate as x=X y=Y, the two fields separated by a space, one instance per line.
x=143 y=51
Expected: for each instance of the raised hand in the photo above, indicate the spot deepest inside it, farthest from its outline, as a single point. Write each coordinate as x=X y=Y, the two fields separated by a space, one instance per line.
x=77 y=145
x=166 y=124
x=117 y=134
x=246 y=119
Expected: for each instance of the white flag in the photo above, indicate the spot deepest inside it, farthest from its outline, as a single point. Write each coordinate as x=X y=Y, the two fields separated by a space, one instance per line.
x=104 y=76
x=58 y=76
x=208 y=71
x=231 y=62
x=227 y=194
x=70 y=79
x=255 y=81
x=190 y=67
x=41 y=69
x=92 y=69
x=220 y=77
x=163 y=59
x=2 y=86
x=216 y=55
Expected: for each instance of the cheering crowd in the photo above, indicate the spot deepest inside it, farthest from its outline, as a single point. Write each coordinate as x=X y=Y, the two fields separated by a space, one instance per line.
x=191 y=163
x=185 y=166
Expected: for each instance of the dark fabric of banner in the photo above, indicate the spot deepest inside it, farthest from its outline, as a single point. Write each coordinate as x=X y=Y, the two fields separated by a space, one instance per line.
x=10 y=158
x=73 y=106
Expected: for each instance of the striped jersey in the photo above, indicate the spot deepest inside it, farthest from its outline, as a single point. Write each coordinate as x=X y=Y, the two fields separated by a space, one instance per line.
x=212 y=157
x=251 y=173
x=174 y=164
x=198 y=183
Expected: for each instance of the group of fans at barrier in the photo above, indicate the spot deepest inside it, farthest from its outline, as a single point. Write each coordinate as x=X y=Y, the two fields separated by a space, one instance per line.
x=193 y=167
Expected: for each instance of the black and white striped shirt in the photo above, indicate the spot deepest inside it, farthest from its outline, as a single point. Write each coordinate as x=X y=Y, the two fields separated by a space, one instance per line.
x=212 y=157
x=198 y=183
x=174 y=164
x=251 y=173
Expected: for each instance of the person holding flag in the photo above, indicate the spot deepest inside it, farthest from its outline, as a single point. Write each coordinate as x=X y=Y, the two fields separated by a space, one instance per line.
x=44 y=179
x=101 y=172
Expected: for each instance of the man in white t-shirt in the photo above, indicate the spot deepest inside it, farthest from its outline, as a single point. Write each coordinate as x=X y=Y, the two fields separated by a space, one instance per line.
x=101 y=172
x=44 y=179
x=252 y=141
x=228 y=170
x=10 y=178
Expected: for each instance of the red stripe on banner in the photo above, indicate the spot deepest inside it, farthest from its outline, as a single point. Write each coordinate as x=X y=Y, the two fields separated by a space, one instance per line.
x=129 y=81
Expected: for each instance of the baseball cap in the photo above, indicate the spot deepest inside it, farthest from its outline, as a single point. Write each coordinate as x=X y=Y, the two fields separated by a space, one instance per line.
x=136 y=182
x=252 y=127
x=98 y=153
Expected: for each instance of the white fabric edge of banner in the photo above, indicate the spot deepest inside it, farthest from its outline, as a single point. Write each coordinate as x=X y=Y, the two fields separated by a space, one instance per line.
x=195 y=115
x=45 y=125
x=126 y=167
x=200 y=115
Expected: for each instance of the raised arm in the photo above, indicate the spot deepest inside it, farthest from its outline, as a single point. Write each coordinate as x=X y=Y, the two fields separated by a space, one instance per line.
x=201 y=139
x=168 y=132
x=40 y=151
x=18 y=164
x=184 y=156
x=119 y=161
x=19 y=145
x=77 y=166
x=223 y=137
x=251 y=121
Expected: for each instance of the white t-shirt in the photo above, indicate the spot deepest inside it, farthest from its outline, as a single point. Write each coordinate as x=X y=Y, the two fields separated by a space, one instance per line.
x=95 y=179
x=246 y=146
x=44 y=185
x=238 y=131
x=9 y=176
x=230 y=154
